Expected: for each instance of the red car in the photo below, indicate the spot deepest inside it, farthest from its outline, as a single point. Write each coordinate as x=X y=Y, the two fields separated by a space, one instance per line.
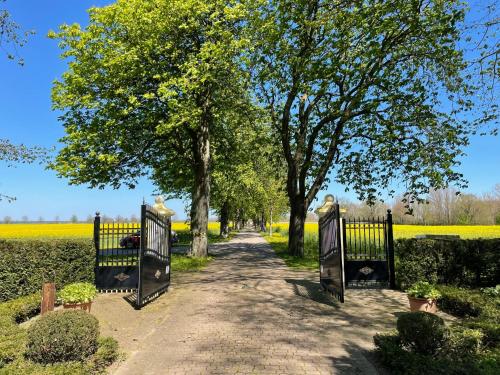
x=133 y=241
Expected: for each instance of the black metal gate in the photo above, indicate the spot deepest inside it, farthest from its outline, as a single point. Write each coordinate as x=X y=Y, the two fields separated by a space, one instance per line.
x=116 y=255
x=369 y=252
x=154 y=261
x=331 y=263
x=133 y=257
x=355 y=253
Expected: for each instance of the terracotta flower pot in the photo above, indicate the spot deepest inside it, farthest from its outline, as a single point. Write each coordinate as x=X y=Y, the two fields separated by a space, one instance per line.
x=83 y=306
x=423 y=304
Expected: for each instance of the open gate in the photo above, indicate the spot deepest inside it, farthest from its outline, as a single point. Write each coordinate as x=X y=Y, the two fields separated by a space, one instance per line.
x=331 y=260
x=154 y=260
x=355 y=253
x=133 y=257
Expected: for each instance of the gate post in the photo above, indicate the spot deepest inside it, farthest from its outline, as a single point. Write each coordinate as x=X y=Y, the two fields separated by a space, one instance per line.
x=142 y=247
x=97 y=226
x=342 y=248
x=390 y=250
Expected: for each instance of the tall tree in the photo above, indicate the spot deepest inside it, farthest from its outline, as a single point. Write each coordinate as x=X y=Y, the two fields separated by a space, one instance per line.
x=365 y=93
x=145 y=88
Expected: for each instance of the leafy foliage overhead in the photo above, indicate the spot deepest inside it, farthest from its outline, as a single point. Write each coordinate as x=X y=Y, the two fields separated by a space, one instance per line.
x=131 y=96
x=366 y=93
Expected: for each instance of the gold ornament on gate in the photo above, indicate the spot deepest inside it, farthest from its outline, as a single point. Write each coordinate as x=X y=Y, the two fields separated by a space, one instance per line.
x=160 y=207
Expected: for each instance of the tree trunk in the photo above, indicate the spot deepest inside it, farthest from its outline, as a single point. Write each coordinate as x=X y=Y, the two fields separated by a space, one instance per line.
x=224 y=213
x=298 y=212
x=201 y=191
x=271 y=223
x=262 y=222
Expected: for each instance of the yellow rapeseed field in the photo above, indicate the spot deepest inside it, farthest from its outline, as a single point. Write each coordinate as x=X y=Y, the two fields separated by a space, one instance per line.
x=84 y=230
x=410 y=231
x=69 y=230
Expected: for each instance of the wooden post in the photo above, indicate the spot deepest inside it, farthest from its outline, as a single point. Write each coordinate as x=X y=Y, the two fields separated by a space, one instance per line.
x=48 y=297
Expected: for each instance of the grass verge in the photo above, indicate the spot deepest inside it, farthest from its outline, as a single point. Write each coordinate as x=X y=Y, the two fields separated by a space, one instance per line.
x=279 y=243
x=186 y=263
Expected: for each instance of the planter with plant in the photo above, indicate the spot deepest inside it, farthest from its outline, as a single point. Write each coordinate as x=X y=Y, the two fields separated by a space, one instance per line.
x=78 y=296
x=423 y=297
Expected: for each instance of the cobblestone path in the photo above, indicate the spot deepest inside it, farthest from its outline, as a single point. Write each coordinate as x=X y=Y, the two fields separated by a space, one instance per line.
x=247 y=313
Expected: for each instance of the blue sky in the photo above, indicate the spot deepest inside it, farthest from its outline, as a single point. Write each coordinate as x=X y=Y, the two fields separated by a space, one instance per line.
x=26 y=117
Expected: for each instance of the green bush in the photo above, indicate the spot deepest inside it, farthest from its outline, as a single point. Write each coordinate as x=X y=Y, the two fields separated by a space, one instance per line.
x=12 y=337
x=468 y=263
x=480 y=311
x=26 y=264
x=461 y=302
x=463 y=342
x=105 y=355
x=78 y=293
x=488 y=363
x=490 y=330
x=390 y=352
x=62 y=336
x=421 y=332
x=492 y=292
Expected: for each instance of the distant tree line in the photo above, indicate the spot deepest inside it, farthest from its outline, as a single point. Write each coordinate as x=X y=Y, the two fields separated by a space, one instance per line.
x=73 y=219
x=442 y=207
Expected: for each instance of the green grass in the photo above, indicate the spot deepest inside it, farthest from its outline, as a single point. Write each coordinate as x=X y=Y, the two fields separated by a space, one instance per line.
x=279 y=243
x=185 y=237
x=184 y=263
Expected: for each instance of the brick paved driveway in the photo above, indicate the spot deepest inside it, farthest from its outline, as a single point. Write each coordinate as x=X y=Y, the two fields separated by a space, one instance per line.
x=248 y=313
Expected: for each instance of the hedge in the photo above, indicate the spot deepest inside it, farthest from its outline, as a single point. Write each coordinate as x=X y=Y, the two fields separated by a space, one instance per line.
x=467 y=263
x=12 y=337
x=26 y=264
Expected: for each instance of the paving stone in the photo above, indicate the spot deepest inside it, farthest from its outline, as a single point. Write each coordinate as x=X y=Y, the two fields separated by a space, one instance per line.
x=248 y=313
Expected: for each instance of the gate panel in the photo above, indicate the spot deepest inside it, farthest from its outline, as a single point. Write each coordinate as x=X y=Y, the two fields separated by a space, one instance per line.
x=369 y=252
x=117 y=254
x=154 y=259
x=330 y=256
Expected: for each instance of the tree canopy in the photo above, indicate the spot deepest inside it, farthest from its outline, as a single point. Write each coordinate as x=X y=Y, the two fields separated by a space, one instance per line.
x=364 y=93
x=239 y=101
x=147 y=87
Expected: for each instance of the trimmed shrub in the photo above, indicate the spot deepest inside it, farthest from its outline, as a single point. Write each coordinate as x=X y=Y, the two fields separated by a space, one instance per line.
x=490 y=330
x=12 y=337
x=469 y=263
x=463 y=342
x=461 y=302
x=62 y=336
x=105 y=355
x=26 y=264
x=392 y=355
x=492 y=292
x=488 y=363
x=421 y=332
